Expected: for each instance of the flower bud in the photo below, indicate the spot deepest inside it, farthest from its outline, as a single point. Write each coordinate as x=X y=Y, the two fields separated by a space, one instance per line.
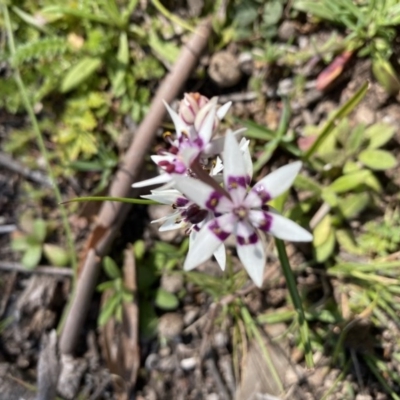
x=203 y=112
x=190 y=106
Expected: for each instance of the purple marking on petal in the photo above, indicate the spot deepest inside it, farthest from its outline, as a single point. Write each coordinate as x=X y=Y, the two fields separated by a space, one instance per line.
x=213 y=201
x=265 y=225
x=262 y=193
x=235 y=181
x=199 y=142
x=173 y=150
x=181 y=202
x=218 y=232
x=252 y=239
x=167 y=166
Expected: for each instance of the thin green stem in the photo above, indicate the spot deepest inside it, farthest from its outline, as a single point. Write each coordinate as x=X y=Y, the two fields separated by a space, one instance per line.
x=40 y=141
x=296 y=299
x=110 y=198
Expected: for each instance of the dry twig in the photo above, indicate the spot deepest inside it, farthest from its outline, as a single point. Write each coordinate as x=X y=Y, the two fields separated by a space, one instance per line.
x=113 y=214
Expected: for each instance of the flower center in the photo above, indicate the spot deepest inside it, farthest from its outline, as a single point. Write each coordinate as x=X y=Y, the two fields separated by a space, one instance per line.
x=241 y=212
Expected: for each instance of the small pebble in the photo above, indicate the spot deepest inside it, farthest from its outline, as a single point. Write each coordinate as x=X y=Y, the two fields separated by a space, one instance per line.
x=170 y=325
x=172 y=283
x=188 y=364
x=190 y=315
x=286 y=31
x=224 y=69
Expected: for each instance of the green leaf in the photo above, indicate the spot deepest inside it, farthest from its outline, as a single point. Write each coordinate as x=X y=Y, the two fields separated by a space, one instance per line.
x=322 y=231
x=356 y=139
x=329 y=196
x=379 y=134
x=166 y=300
x=165 y=50
x=256 y=131
x=377 y=159
x=109 y=285
x=111 y=268
x=337 y=116
x=39 y=230
x=32 y=256
x=372 y=182
x=349 y=182
x=386 y=75
x=352 y=205
x=148 y=320
x=346 y=240
x=117 y=80
x=325 y=250
x=109 y=309
x=139 y=249
x=319 y=9
x=306 y=183
x=79 y=73
x=56 y=255
x=272 y=12
x=19 y=243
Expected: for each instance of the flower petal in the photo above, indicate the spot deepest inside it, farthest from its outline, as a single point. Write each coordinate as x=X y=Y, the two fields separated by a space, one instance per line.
x=285 y=229
x=167 y=196
x=223 y=110
x=157 y=180
x=189 y=154
x=252 y=257
x=173 y=221
x=197 y=191
x=233 y=158
x=216 y=146
x=235 y=178
x=206 y=128
x=248 y=162
x=278 y=181
x=220 y=256
x=180 y=126
x=204 y=245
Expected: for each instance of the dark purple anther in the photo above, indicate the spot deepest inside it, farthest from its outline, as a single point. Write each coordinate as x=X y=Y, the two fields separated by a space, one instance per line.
x=181 y=202
x=195 y=214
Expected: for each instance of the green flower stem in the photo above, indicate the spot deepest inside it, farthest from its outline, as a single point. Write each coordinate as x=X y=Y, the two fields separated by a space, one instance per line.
x=109 y=198
x=40 y=141
x=295 y=296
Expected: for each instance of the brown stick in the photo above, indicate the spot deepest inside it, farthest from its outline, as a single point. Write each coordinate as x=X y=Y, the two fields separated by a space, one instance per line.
x=112 y=214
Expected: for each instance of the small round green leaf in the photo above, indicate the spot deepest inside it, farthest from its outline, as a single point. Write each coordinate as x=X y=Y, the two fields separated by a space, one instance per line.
x=32 y=256
x=166 y=300
x=111 y=268
x=56 y=255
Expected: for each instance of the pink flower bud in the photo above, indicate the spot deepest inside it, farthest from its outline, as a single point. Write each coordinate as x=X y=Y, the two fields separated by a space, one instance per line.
x=203 y=112
x=190 y=106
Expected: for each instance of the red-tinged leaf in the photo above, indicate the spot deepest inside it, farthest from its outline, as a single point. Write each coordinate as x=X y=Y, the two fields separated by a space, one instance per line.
x=333 y=70
x=304 y=143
